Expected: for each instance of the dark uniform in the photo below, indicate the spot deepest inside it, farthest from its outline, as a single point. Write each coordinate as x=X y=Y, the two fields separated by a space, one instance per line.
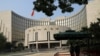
x=72 y=50
x=77 y=50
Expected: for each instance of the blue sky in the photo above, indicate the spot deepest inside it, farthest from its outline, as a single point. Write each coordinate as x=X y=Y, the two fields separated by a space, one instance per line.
x=24 y=8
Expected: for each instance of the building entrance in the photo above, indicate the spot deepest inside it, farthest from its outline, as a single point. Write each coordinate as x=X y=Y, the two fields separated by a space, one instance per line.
x=43 y=45
x=53 y=45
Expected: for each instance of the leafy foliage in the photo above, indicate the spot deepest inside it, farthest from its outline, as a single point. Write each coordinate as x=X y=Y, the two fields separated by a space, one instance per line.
x=94 y=29
x=93 y=43
x=20 y=46
x=2 y=42
x=8 y=46
x=48 y=6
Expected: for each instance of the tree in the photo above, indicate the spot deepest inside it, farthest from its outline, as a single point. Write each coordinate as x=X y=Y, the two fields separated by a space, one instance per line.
x=95 y=28
x=94 y=41
x=2 y=42
x=84 y=29
x=20 y=46
x=8 y=46
x=48 y=6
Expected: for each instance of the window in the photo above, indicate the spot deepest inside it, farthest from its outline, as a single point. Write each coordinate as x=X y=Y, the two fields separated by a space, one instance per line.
x=27 y=38
x=36 y=36
x=48 y=35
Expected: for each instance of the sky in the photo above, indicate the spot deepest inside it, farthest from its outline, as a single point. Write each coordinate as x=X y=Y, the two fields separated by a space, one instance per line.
x=24 y=8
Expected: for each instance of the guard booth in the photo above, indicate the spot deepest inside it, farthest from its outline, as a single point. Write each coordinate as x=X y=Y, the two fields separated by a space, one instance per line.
x=72 y=35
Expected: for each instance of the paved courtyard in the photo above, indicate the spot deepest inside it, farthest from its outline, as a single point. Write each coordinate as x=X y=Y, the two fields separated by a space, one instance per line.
x=46 y=53
x=50 y=52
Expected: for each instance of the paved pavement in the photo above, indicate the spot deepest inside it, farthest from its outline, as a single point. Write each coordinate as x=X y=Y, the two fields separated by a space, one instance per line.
x=46 y=52
x=29 y=53
x=16 y=54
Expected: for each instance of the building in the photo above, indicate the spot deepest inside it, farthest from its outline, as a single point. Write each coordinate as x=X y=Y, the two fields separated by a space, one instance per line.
x=93 y=11
x=42 y=36
x=19 y=29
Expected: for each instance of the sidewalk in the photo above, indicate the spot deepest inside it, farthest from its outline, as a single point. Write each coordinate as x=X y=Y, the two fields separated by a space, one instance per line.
x=41 y=53
x=21 y=53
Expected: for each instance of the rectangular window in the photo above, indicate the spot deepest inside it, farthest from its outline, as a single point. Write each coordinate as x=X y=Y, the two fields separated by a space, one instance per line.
x=48 y=35
x=36 y=36
x=27 y=38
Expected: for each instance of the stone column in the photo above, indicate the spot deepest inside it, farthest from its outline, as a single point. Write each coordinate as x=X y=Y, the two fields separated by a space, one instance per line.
x=60 y=43
x=36 y=46
x=48 y=45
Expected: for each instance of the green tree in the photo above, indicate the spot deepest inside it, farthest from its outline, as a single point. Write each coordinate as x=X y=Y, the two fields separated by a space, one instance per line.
x=20 y=46
x=48 y=6
x=84 y=29
x=8 y=46
x=94 y=29
x=2 y=42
